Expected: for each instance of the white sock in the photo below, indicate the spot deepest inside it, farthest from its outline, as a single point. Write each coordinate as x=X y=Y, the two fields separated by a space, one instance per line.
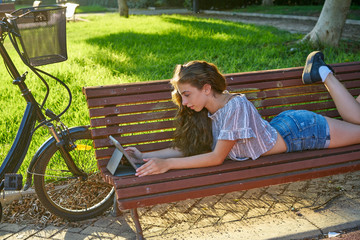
x=324 y=72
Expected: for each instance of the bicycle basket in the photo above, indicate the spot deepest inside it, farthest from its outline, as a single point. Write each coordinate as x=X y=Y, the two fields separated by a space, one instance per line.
x=41 y=34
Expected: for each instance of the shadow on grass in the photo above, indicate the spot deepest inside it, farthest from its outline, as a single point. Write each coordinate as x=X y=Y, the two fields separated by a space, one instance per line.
x=155 y=53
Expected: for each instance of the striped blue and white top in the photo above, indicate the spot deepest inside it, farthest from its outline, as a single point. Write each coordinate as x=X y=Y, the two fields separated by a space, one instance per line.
x=239 y=120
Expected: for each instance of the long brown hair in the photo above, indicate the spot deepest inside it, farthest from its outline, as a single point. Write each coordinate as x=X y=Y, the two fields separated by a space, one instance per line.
x=193 y=133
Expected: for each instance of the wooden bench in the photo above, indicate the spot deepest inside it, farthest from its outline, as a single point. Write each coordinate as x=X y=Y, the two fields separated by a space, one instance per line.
x=6 y=8
x=141 y=114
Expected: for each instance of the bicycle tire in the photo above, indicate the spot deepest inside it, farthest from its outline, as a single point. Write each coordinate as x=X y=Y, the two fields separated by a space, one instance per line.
x=67 y=196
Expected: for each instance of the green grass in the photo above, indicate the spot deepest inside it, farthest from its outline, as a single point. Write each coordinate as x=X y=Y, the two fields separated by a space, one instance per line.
x=107 y=49
x=91 y=9
x=311 y=10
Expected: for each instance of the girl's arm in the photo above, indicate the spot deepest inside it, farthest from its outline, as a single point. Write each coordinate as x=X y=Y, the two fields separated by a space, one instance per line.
x=163 y=153
x=156 y=165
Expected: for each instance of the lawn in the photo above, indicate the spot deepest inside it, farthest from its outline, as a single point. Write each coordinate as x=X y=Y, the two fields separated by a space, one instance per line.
x=106 y=49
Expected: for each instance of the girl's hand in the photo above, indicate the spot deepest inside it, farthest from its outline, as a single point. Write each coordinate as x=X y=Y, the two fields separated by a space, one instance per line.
x=135 y=153
x=152 y=166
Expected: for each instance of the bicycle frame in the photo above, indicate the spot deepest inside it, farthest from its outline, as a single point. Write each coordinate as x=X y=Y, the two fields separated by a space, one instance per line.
x=32 y=113
x=18 y=151
x=21 y=144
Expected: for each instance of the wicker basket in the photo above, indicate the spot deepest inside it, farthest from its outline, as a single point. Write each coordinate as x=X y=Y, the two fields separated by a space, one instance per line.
x=41 y=34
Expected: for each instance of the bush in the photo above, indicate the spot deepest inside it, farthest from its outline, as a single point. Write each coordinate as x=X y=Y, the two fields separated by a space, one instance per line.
x=155 y=3
x=224 y=4
x=231 y=4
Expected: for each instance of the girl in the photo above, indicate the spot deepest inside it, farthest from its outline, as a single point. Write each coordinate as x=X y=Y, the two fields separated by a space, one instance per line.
x=212 y=124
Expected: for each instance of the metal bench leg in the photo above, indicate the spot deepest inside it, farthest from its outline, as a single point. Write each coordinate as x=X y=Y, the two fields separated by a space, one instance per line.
x=116 y=211
x=135 y=217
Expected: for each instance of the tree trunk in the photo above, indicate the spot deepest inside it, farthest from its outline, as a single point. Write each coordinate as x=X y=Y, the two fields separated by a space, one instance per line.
x=123 y=8
x=196 y=6
x=267 y=2
x=330 y=24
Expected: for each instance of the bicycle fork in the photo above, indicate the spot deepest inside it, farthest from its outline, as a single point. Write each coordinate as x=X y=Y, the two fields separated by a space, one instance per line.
x=63 y=144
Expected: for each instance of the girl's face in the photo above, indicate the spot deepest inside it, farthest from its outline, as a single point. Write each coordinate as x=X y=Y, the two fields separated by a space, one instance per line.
x=192 y=97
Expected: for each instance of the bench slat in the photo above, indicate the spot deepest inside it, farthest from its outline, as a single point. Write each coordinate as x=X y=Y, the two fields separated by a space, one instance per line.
x=289 y=89
x=283 y=74
x=105 y=142
x=127 y=89
x=106 y=153
x=114 y=130
x=112 y=110
x=124 y=119
x=126 y=99
x=150 y=200
x=346 y=67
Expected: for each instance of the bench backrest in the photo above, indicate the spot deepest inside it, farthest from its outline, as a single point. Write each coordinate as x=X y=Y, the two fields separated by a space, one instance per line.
x=142 y=113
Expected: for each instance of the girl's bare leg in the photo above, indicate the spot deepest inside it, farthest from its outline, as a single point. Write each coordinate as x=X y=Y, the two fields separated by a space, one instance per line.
x=346 y=104
x=343 y=133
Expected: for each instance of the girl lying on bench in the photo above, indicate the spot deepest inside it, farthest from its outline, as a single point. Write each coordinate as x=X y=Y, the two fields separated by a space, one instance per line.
x=212 y=124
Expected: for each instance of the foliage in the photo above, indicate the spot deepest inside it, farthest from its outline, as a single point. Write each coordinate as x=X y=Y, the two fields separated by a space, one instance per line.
x=141 y=3
x=299 y=2
x=155 y=3
x=229 y=4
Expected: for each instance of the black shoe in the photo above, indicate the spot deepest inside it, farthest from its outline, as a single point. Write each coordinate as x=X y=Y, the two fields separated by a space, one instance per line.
x=311 y=70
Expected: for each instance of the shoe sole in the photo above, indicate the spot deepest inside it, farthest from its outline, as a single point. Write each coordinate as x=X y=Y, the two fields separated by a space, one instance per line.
x=306 y=77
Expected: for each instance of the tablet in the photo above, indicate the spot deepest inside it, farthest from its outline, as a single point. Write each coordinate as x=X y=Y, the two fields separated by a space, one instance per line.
x=115 y=166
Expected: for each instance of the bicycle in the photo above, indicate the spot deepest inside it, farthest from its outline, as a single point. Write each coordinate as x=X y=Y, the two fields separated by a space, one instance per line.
x=66 y=177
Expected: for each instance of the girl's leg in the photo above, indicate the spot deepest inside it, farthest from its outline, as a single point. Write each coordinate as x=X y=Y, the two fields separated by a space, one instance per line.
x=316 y=70
x=346 y=104
x=343 y=133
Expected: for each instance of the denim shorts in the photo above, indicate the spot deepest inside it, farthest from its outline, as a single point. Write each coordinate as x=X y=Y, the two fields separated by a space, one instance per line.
x=302 y=130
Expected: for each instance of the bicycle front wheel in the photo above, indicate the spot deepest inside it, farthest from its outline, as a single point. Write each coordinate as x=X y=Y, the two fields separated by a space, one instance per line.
x=66 y=195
